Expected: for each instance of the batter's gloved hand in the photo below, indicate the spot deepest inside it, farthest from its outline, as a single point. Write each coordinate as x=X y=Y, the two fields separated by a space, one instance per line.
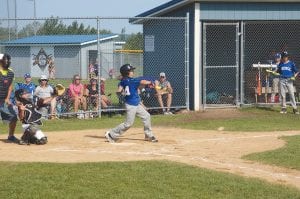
x=293 y=78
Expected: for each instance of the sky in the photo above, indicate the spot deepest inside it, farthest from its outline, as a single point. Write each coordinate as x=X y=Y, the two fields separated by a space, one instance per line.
x=81 y=8
x=78 y=8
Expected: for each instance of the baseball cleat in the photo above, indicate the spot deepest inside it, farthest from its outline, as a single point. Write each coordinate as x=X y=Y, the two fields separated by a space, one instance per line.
x=109 y=137
x=150 y=139
x=283 y=111
x=296 y=111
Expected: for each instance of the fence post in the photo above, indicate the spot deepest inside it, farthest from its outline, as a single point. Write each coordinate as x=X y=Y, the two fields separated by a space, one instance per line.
x=99 y=68
x=187 y=61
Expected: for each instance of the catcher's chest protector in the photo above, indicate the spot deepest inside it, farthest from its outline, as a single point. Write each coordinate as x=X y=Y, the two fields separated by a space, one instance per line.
x=32 y=134
x=31 y=116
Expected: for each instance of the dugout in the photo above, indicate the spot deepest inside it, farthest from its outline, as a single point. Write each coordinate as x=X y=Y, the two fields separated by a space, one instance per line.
x=71 y=54
x=225 y=38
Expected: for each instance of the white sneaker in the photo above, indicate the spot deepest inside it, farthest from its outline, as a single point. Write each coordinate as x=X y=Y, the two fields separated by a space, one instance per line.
x=168 y=113
x=283 y=111
x=109 y=137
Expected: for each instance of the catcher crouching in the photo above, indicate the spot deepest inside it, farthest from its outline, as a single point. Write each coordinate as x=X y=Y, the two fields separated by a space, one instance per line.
x=31 y=119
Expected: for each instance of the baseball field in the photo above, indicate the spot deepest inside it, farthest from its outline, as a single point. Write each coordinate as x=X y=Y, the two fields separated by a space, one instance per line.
x=230 y=153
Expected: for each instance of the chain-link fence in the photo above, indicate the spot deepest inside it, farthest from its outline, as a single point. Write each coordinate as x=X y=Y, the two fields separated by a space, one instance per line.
x=236 y=57
x=67 y=49
x=262 y=40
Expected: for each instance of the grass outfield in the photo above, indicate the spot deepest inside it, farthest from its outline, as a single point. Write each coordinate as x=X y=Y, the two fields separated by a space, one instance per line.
x=154 y=179
x=287 y=156
x=143 y=179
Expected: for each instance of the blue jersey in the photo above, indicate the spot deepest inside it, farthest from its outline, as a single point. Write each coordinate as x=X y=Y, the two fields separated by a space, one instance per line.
x=287 y=70
x=30 y=88
x=130 y=86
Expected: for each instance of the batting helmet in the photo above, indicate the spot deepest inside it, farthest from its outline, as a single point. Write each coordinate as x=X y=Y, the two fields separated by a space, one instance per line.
x=125 y=69
x=284 y=54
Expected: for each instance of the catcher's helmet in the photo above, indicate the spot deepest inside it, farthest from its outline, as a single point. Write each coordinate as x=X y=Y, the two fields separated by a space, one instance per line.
x=19 y=96
x=124 y=70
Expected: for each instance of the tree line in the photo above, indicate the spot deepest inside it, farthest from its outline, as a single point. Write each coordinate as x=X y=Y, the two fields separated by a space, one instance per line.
x=54 y=26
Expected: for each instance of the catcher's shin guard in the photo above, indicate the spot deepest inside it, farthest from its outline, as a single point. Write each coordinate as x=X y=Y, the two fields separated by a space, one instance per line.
x=33 y=135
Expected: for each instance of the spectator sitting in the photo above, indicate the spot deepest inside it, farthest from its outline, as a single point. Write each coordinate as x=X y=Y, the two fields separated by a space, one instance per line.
x=92 y=93
x=76 y=91
x=44 y=93
x=28 y=85
x=164 y=88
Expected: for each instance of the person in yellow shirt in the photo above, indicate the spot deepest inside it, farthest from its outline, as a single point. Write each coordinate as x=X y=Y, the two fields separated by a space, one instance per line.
x=6 y=108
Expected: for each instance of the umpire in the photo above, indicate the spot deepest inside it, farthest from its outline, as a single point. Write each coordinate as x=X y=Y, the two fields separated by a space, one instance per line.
x=6 y=109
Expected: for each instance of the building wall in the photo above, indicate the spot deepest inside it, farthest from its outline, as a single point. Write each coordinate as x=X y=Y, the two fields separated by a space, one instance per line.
x=67 y=61
x=250 y=11
x=106 y=49
x=21 y=62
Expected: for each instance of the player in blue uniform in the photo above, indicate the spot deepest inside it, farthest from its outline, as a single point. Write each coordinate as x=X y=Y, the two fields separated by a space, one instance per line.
x=129 y=87
x=288 y=72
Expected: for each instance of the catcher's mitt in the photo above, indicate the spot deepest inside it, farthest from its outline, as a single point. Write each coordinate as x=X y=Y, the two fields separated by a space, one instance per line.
x=40 y=103
x=59 y=90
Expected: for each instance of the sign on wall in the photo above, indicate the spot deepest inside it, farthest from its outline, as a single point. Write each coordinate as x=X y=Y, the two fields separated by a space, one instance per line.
x=41 y=59
x=149 y=43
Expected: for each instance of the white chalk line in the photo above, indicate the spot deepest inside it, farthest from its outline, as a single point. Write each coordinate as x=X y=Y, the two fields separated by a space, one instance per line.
x=238 y=138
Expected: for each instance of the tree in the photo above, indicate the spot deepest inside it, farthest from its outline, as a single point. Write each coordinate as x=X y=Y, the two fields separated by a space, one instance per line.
x=134 y=42
x=55 y=26
x=29 y=29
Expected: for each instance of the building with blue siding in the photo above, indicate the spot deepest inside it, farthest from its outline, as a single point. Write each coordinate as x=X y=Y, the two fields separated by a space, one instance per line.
x=71 y=54
x=226 y=37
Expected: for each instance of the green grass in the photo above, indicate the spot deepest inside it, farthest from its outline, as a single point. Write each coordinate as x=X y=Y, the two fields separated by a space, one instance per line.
x=288 y=156
x=251 y=120
x=143 y=179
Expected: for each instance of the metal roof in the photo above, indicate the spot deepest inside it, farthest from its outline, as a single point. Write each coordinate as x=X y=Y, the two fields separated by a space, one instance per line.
x=59 y=40
x=171 y=5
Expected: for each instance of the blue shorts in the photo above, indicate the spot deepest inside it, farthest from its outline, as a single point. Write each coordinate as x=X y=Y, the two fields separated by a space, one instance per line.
x=8 y=113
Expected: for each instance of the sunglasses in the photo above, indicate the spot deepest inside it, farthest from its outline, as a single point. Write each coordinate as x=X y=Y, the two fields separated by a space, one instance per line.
x=44 y=80
x=162 y=76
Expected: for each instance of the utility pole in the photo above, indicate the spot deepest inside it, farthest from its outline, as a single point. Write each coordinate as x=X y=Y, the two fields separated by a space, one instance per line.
x=16 y=23
x=8 y=21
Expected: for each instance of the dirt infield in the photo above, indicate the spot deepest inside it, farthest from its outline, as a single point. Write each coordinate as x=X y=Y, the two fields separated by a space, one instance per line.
x=218 y=150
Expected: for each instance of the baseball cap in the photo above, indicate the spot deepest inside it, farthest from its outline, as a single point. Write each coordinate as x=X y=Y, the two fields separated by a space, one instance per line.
x=44 y=77
x=284 y=54
x=162 y=74
x=27 y=75
x=277 y=56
